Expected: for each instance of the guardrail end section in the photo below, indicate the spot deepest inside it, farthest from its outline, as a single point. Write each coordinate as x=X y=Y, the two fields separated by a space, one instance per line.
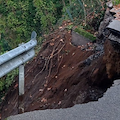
x=33 y=35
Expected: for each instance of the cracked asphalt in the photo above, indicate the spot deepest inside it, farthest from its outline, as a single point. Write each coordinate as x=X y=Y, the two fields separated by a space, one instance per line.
x=106 y=108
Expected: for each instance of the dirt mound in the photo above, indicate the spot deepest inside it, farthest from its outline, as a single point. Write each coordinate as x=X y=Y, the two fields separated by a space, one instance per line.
x=60 y=76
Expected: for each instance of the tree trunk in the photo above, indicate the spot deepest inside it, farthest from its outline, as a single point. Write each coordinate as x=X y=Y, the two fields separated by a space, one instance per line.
x=70 y=2
x=63 y=3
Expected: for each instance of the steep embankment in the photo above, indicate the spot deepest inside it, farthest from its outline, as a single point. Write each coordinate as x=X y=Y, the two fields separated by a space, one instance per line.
x=60 y=76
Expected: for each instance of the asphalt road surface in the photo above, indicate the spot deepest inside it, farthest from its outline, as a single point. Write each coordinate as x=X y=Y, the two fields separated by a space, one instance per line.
x=106 y=108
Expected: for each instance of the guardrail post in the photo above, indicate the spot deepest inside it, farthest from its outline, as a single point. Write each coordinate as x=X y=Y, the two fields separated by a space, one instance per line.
x=21 y=80
x=20 y=104
x=16 y=58
x=21 y=89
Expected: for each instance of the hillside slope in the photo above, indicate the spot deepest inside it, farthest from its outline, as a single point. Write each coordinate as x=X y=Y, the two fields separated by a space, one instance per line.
x=60 y=76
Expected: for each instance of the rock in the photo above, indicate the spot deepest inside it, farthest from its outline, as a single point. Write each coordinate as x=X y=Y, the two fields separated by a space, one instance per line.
x=109 y=4
x=78 y=40
x=114 y=25
x=114 y=38
x=98 y=47
x=107 y=19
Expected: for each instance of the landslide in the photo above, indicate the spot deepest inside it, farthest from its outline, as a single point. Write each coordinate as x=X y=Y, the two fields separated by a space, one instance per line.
x=60 y=76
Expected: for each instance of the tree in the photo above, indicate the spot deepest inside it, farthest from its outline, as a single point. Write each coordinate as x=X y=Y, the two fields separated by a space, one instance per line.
x=13 y=21
x=45 y=13
x=20 y=17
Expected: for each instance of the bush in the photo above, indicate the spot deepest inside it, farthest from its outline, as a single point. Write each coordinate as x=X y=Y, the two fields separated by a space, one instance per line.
x=117 y=2
x=85 y=13
x=19 y=18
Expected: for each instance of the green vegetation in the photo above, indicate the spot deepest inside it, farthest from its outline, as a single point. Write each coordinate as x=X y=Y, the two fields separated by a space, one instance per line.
x=87 y=13
x=18 y=18
x=117 y=2
x=85 y=34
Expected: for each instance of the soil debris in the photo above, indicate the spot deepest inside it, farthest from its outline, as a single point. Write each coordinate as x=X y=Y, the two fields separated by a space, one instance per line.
x=62 y=75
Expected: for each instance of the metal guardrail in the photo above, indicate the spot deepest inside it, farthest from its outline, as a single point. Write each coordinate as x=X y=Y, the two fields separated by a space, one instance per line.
x=16 y=58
